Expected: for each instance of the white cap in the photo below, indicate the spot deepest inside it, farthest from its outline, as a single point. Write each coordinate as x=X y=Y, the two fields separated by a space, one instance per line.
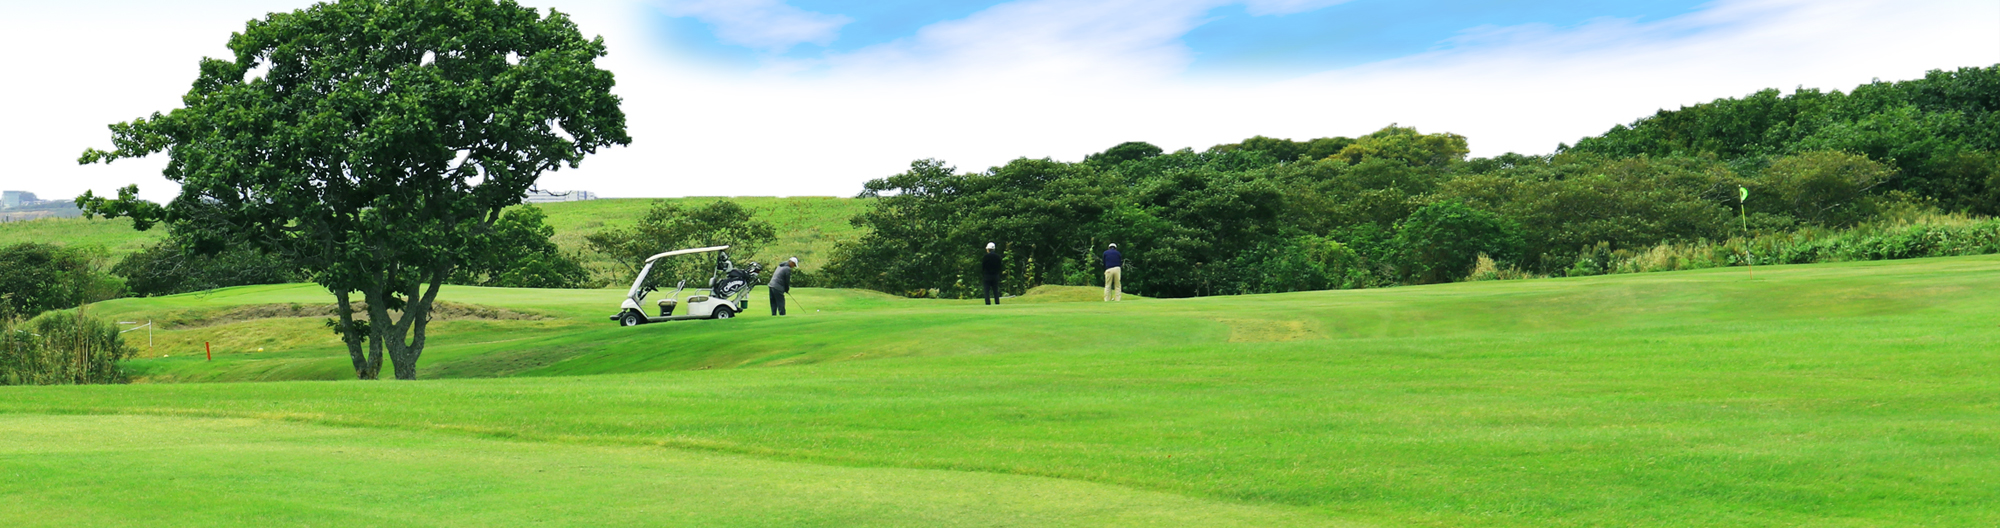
x=989 y=245
x=795 y=261
x=1114 y=245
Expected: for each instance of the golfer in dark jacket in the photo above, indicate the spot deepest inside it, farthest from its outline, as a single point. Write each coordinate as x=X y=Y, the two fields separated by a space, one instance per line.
x=1114 y=279
x=781 y=282
x=989 y=268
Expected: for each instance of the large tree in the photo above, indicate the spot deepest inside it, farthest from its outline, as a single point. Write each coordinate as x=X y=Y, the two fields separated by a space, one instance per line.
x=375 y=143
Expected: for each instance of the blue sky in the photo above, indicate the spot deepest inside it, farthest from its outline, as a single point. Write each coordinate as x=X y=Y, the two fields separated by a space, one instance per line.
x=815 y=97
x=1231 y=39
x=1359 y=32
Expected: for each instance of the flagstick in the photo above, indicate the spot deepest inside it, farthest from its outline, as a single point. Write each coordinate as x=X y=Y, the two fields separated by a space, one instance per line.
x=1748 y=260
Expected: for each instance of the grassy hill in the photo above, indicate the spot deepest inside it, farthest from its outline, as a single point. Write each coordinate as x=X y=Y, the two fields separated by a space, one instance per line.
x=1857 y=394
x=808 y=226
x=114 y=235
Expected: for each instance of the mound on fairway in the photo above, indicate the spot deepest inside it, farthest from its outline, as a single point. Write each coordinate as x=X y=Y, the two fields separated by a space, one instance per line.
x=1858 y=394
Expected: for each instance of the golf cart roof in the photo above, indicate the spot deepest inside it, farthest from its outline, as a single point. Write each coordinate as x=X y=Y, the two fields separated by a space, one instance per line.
x=684 y=252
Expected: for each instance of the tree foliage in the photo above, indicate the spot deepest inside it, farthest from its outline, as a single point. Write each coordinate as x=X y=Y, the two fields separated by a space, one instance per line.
x=1127 y=151
x=1921 y=127
x=1440 y=241
x=519 y=254
x=1399 y=206
x=37 y=277
x=378 y=148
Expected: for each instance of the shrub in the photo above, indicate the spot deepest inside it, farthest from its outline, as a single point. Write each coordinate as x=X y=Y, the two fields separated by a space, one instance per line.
x=173 y=266
x=1299 y=264
x=60 y=348
x=1485 y=269
x=1922 y=236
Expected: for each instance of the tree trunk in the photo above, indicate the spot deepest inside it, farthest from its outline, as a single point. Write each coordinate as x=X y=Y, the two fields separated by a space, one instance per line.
x=354 y=336
x=413 y=323
x=380 y=330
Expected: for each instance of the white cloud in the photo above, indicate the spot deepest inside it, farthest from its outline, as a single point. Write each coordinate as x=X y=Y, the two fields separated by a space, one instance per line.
x=1063 y=41
x=766 y=25
x=1526 y=88
x=1286 y=7
x=1039 y=78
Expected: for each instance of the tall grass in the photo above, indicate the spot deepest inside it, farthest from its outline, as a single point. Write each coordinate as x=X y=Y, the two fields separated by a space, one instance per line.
x=60 y=348
x=1897 y=237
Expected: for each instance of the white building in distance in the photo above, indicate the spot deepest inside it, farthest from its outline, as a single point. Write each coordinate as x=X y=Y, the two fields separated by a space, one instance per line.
x=12 y=199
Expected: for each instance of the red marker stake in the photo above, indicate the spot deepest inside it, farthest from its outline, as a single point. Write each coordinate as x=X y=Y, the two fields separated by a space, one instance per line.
x=211 y=352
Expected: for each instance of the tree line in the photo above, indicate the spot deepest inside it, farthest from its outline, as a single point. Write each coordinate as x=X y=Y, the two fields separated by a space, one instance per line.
x=1399 y=206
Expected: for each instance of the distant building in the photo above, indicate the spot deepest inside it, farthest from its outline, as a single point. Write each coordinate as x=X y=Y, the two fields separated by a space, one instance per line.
x=540 y=196
x=16 y=206
x=12 y=199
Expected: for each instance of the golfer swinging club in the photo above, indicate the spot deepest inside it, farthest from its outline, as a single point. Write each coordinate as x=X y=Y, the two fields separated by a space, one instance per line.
x=781 y=282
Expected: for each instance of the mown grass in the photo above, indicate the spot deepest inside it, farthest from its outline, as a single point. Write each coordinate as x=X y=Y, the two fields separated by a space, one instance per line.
x=1856 y=394
x=236 y=472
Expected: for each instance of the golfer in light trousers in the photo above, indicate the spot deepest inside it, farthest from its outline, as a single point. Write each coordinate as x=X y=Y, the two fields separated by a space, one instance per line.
x=1113 y=281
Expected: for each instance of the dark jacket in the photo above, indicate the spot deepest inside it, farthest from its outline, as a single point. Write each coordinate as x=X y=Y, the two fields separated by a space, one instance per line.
x=990 y=265
x=1112 y=259
x=781 y=280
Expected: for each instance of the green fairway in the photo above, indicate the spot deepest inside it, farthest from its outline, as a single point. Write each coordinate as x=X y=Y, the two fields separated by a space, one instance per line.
x=217 y=472
x=1858 y=394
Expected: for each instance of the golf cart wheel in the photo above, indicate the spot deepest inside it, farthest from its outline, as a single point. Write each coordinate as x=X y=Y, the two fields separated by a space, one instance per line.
x=723 y=313
x=631 y=318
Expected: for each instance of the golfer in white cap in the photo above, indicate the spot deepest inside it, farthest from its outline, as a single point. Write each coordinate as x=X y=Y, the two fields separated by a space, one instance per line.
x=989 y=274
x=1114 y=282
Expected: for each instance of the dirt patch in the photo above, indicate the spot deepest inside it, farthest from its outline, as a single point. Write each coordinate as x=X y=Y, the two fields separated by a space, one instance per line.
x=1271 y=330
x=441 y=311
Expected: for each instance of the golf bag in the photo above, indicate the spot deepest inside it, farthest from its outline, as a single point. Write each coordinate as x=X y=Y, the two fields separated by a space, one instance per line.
x=734 y=281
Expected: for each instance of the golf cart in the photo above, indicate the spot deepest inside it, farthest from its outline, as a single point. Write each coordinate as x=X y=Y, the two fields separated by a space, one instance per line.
x=722 y=299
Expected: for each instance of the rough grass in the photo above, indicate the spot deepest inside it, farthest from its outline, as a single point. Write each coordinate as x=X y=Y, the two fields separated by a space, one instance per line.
x=1853 y=394
x=808 y=226
x=115 y=235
